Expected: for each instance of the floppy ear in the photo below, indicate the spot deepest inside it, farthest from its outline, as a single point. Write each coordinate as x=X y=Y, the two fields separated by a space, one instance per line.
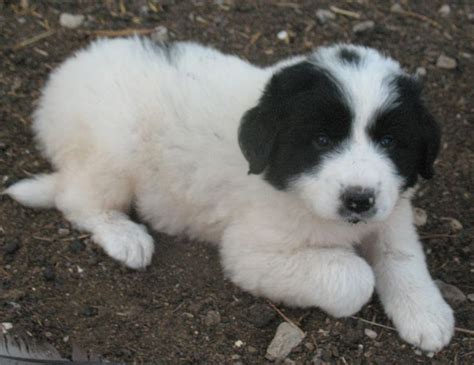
x=256 y=138
x=431 y=133
x=260 y=125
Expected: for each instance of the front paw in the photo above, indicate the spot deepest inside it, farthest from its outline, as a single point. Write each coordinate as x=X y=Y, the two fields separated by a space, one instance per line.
x=429 y=326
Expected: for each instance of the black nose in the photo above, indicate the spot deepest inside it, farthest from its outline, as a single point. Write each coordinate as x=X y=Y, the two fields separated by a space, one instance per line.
x=358 y=200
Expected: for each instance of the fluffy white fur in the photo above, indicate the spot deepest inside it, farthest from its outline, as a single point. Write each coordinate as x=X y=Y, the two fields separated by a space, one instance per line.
x=123 y=122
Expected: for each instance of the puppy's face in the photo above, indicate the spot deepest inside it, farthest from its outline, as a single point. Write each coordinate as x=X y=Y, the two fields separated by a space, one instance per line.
x=345 y=130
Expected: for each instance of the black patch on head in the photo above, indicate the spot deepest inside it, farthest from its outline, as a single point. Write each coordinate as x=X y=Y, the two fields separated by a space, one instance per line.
x=415 y=133
x=280 y=135
x=349 y=55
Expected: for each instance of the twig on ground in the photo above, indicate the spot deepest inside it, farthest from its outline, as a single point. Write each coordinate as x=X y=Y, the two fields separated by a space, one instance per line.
x=118 y=32
x=44 y=239
x=282 y=315
x=373 y=323
x=464 y=330
x=348 y=13
x=80 y=238
x=36 y=38
x=421 y=17
x=437 y=235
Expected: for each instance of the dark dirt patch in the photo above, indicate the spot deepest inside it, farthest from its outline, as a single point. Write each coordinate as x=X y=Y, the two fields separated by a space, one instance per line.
x=57 y=286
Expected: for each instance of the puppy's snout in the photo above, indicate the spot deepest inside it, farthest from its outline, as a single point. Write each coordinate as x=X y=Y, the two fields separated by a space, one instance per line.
x=358 y=200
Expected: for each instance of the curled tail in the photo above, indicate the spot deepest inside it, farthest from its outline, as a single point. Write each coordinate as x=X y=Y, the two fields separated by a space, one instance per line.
x=38 y=192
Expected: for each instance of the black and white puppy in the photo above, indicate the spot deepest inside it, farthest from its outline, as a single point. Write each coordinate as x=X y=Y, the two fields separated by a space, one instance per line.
x=289 y=168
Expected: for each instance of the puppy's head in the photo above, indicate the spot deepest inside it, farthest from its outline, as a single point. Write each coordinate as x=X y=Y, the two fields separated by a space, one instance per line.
x=346 y=130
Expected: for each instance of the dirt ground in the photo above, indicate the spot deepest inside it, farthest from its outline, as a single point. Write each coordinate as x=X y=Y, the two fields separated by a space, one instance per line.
x=57 y=286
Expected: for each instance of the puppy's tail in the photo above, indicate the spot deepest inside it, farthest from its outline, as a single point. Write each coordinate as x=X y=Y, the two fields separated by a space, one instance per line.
x=38 y=192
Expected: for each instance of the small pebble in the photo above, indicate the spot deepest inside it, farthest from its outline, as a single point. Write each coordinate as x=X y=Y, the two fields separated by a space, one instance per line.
x=324 y=15
x=283 y=36
x=6 y=326
x=418 y=352
x=160 y=34
x=212 y=318
x=63 y=232
x=363 y=26
x=251 y=350
x=370 y=333
x=444 y=10
x=238 y=343
x=470 y=17
x=286 y=338
x=420 y=217
x=288 y=361
x=471 y=297
x=11 y=247
x=451 y=293
x=396 y=8
x=71 y=21
x=445 y=62
x=455 y=225
x=235 y=357
x=420 y=71
x=309 y=346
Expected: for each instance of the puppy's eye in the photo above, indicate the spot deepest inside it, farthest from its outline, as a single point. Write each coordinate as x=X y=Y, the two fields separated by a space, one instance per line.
x=322 y=141
x=387 y=141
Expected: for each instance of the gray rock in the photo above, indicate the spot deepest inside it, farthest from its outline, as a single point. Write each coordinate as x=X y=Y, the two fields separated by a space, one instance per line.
x=444 y=10
x=286 y=338
x=470 y=17
x=160 y=34
x=446 y=62
x=212 y=318
x=71 y=21
x=452 y=294
x=363 y=26
x=324 y=15
x=471 y=297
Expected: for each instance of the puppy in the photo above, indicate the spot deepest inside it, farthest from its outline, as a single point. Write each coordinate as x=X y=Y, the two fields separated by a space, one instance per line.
x=302 y=172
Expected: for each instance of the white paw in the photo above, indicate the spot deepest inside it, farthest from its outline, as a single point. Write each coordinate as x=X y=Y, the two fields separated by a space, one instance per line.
x=351 y=287
x=429 y=326
x=128 y=243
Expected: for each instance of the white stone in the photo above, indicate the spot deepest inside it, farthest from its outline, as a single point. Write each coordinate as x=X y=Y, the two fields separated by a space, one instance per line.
x=324 y=15
x=6 y=326
x=363 y=26
x=444 y=10
x=370 y=333
x=283 y=35
x=420 y=217
x=71 y=21
x=286 y=338
x=420 y=71
x=446 y=62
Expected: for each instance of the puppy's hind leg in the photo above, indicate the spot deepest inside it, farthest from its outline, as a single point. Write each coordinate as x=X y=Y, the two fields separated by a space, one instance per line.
x=98 y=203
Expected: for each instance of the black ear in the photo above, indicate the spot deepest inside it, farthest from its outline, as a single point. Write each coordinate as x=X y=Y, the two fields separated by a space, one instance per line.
x=431 y=133
x=260 y=125
x=256 y=138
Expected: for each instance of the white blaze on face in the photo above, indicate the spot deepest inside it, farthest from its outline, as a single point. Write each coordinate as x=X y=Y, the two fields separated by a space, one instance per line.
x=358 y=163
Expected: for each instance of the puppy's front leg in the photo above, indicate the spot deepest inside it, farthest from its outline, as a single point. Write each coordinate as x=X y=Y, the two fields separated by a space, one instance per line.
x=409 y=295
x=263 y=262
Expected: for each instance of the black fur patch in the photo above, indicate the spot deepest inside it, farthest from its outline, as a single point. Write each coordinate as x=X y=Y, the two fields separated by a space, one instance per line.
x=350 y=56
x=415 y=132
x=299 y=104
